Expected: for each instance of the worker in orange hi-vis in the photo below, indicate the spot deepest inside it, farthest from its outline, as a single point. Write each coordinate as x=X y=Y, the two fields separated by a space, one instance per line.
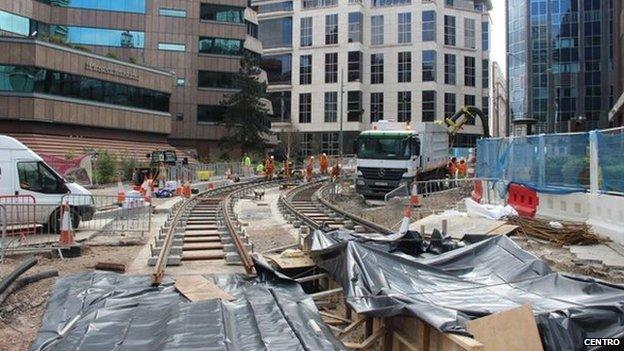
x=324 y=164
x=309 y=168
x=462 y=168
x=335 y=172
x=269 y=168
x=452 y=167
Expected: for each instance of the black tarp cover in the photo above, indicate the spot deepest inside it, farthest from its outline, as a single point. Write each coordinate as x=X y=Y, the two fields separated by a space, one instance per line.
x=107 y=311
x=490 y=276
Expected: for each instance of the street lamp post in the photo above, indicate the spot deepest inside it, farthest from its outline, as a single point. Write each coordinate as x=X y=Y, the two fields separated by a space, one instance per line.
x=341 y=112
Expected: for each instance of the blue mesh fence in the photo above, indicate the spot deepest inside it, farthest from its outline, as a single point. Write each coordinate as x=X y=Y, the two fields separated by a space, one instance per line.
x=555 y=163
x=610 y=156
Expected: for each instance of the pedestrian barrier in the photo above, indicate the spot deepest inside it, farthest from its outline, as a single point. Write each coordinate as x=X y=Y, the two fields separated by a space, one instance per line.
x=523 y=199
x=21 y=213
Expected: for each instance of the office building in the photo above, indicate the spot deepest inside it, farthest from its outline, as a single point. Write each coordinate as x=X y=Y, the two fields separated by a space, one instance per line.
x=499 y=124
x=343 y=64
x=560 y=70
x=185 y=53
x=616 y=115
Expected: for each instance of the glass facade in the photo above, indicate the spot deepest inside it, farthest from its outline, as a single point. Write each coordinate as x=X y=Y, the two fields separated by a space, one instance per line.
x=172 y=12
x=276 y=33
x=220 y=46
x=354 y=73
x=560 y=65
x=99 y=36
x=171 y=47
x=278 y=68
x=355 y=27
x=221 y=13
x=214 y=79
x=210 y=113
x=133 y=6
x=14 y=24
x=26 y=79
x=429 y=26
x=429 y=66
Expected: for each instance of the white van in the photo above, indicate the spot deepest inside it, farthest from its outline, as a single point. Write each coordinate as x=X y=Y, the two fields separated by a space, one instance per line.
x=25 y=174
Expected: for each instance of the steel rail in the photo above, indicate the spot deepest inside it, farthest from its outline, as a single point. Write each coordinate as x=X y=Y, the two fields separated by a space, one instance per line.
x=286 y=198
x=163 y=256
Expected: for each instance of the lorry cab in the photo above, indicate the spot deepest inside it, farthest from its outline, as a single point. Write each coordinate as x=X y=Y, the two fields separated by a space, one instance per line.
x=26 y=179
x=395 y=154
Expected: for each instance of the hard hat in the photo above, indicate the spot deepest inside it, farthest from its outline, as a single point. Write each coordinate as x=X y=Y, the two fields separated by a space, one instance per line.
x=312 y=157
x=272 y=157
x=324 y=154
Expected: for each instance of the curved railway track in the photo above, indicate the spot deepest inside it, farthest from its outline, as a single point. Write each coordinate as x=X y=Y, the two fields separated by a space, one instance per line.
x=307 y=205
x=204 y=228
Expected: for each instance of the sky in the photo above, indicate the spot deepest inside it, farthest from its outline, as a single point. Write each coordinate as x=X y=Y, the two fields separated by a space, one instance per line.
x=498 y=43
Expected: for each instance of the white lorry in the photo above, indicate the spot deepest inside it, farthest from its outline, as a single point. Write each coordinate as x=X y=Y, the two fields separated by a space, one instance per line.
x=393 y=154
x=25 y=178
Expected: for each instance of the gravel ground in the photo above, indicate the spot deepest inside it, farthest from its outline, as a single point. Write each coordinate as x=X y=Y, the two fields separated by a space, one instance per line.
x=21 y=313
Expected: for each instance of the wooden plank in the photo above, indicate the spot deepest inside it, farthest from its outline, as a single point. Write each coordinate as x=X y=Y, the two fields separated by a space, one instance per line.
x=512 y=330
x=291 y=262
x=504 y=229
x=198 y=288
x=398 y=338
x=366 y=343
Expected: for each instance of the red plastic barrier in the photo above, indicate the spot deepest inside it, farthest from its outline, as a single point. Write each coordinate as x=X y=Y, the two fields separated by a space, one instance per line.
x=523 y=199
x=477 y=192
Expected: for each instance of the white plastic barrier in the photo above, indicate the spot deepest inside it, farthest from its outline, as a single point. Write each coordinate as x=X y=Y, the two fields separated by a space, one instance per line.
x=571 y=207
x=606 y=216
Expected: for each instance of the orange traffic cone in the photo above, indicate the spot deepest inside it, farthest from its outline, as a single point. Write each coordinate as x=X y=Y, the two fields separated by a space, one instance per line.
x=178 y=187
x=121 y=193
x=66 y=236
x=414 y=198
x=408 y=212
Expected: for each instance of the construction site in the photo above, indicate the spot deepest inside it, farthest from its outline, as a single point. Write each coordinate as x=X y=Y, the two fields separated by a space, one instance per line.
x=523 y=252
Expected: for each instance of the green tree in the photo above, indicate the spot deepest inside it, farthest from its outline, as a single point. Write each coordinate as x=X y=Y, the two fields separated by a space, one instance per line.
x=105 y=167
x=246 y=118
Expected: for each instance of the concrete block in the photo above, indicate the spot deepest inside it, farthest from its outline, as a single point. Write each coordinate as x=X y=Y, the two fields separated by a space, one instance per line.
x=171 y=261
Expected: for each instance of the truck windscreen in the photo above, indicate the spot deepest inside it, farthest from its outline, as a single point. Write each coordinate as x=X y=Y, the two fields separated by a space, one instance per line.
x=385 y=148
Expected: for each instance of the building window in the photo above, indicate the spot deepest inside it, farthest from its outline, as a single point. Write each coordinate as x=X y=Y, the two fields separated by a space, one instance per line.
x=449 y=30
x=450 y=106
x=278 y=68
x=306 y=31
x=485 y=106
x=305 y=69
x=429 y=26
x=306 y=144
x=172 y=12
x=469 y=33
x=470 y=100
x=485 y=36
x=331 y=107
x=355 y=27
x=469 y=71
x=485 y=71
x=429 y=66
x=331 y=29
x=428 y=105
x=280 y=100
x=275 y=33
x=276 y=7
x=380 y=3
x=311 y=4
x=14 y=23
x=221 y=13
x=377 y=69
x=171 y=47
x=450 y=69
x=376 y=106
x=354 y=106
x=355 y=66
x=405 y=106
x=220 y=46
x=135 y=6
x=252 y=29
x=377 y=30
x=99 y=36
x=331 y=67
x=305 y=108
x=330 y=143
x=210 y=113
x=405 y=27
x=215 y=79
x=405 y=67
x=28 y=79
x=180 y=82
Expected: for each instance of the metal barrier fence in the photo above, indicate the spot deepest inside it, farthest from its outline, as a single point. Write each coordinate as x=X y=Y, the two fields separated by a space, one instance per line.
x=35 y=226
x=3 y=229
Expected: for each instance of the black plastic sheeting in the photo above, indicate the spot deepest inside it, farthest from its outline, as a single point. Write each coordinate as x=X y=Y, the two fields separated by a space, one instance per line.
x=489 y=276
x=108 y=311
